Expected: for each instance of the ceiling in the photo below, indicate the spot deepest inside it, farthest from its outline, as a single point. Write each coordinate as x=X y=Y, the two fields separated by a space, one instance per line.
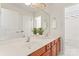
x=22 y=7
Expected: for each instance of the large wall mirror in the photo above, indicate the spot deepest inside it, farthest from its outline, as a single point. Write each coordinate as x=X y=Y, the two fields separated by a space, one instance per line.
x=16 y=24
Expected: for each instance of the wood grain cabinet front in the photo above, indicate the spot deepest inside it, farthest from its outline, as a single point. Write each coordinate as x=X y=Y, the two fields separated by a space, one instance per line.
x=59 y=40
x=39 y=52
x=48 y=46
x=48 y=53
x=58 y=45
x=51 y=49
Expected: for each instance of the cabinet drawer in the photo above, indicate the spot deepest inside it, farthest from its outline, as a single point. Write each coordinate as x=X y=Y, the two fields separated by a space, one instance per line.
x=39 y=52
x=48 y=46
x=48 y=53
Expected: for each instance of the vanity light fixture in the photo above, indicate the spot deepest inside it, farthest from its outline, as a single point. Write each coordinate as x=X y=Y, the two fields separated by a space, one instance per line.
x=27 y=4
x=37 y=5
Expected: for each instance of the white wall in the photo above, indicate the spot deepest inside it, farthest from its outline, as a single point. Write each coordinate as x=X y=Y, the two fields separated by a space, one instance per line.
x=0 y=12
x=12 y=24
x=71 y=23
x=11 y=19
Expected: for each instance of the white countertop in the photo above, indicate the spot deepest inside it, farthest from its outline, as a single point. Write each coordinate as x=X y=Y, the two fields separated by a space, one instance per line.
x=22 y=48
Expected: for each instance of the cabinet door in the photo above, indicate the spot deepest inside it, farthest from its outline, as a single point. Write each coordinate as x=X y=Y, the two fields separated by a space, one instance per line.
x=39 y=52
x=53 y=50
x=48 y=53
x=48 y=46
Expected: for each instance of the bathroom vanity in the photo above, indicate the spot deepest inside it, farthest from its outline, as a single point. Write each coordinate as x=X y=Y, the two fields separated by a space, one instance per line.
x=50 y=49
x=38 y=47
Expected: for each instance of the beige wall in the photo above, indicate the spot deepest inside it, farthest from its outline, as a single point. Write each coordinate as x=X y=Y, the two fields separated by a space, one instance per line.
x=57 y=11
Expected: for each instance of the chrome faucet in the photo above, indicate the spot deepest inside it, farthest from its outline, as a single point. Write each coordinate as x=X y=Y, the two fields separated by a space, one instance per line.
x=28 y=39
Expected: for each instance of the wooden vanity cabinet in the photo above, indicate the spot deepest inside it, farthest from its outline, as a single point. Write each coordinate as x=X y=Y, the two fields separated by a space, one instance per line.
x=39 y=52
x=51 y=49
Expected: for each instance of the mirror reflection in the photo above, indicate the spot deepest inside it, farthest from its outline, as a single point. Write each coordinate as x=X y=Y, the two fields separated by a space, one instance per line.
x=42 y=20
x=19 y=21
x=38 y=21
